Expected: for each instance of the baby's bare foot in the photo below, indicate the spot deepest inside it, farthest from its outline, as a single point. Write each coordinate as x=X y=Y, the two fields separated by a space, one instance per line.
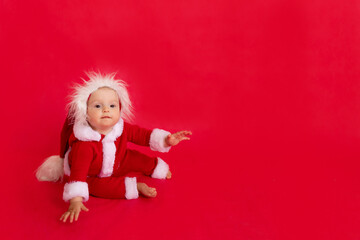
x=168 y=175
x=146 y=190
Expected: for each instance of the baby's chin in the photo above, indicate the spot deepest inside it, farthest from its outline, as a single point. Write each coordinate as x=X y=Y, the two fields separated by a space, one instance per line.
x=106 y=126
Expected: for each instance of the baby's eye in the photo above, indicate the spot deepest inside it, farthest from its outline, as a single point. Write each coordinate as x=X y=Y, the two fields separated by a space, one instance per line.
x=112 y=105
x=97 y=106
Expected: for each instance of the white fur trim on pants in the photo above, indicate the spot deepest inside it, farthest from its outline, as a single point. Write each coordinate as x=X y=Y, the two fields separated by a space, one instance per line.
x=157 y=140
x=76 y=189
x=161 y=169
x=131 y=191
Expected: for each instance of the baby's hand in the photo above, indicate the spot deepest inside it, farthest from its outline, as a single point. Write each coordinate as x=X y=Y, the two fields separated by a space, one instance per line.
x=174 y=139
x=74 y=210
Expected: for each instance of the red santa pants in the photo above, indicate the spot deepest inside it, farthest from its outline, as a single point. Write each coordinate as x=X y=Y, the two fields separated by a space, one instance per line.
x=114 y=186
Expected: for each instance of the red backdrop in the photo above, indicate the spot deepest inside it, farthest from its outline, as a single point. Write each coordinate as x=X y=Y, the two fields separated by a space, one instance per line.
x=270 y=90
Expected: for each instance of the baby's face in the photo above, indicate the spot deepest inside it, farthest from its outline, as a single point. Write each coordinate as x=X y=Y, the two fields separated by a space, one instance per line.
x=103 y=110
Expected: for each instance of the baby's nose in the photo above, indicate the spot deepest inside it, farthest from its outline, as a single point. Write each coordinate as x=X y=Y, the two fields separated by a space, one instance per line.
x=106 y=109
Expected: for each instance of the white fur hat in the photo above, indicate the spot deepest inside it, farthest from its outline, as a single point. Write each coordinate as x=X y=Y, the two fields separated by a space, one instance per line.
x=78 y=104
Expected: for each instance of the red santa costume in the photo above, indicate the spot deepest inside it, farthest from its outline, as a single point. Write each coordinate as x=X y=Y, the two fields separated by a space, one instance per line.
x=98 y=164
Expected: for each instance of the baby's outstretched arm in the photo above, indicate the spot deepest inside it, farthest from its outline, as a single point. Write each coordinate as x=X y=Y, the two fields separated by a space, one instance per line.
x=75 y=207
x=175 y=138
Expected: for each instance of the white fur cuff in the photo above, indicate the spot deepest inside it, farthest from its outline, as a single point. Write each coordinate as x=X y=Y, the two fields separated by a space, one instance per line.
x=131 y=191
x=161 y=170
x=76 y=189
x=157 y=140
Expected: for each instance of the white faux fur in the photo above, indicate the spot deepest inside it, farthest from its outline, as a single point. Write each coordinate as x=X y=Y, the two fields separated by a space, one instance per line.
x=115 y=132
x=161 y=169
x=76 y=189
x=109 y=150
x=131 y=191
x=51 y=169
x=157 y=140
x=78 y=104
x=84 y=132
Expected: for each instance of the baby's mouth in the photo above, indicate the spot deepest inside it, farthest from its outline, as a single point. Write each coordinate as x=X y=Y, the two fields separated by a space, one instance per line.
x=105 y=117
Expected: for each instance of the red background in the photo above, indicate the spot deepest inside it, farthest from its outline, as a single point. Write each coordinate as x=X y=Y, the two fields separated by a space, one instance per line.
x=270 y=90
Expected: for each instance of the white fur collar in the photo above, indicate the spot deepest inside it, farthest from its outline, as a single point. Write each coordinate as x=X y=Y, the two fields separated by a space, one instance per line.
x=84 y=132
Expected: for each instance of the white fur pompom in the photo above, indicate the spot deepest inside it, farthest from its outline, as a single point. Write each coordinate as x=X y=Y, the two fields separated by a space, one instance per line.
x=51 y=170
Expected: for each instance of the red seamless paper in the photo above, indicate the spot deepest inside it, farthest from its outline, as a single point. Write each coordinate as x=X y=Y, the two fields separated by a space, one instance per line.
x=270 y=90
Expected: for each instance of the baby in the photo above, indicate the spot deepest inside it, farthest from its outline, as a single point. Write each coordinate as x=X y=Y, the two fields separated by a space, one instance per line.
x=98 y=161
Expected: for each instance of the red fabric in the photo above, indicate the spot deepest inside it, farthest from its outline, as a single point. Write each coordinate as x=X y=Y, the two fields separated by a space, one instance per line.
x=108 y=187
x=270 y=90
x=86 y=159
x=66 y=132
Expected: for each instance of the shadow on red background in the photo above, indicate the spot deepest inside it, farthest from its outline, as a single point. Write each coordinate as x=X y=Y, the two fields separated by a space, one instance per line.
x=270 y=90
